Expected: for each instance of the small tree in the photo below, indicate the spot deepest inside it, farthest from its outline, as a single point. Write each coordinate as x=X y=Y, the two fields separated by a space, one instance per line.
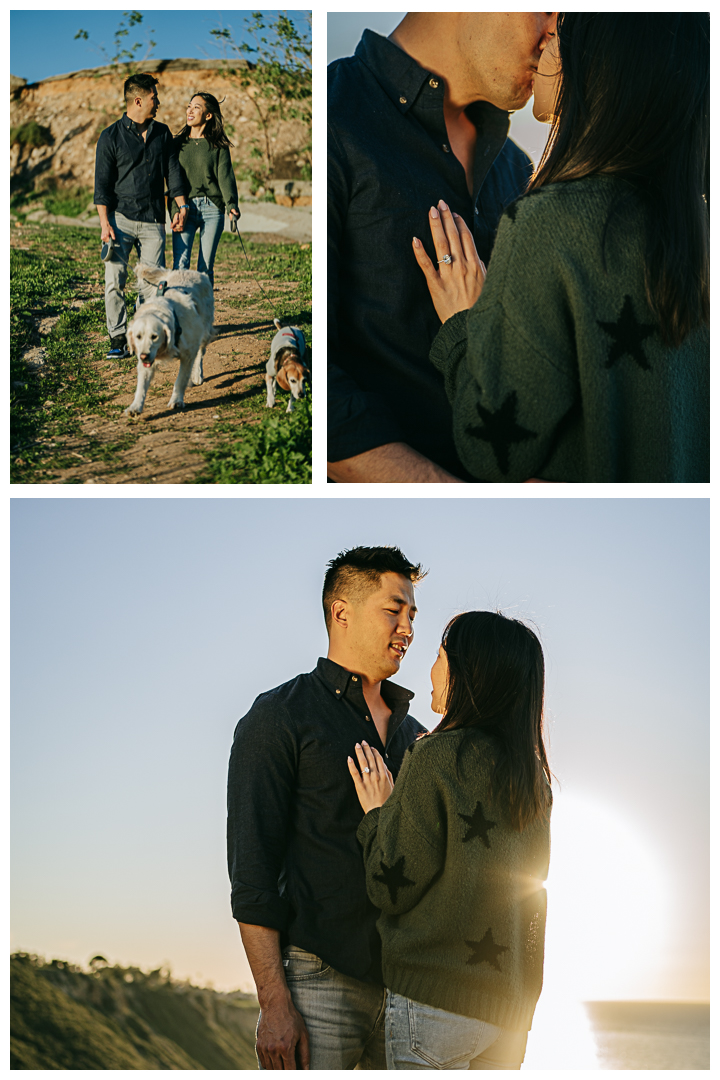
x=124 y=58
x=279 y=86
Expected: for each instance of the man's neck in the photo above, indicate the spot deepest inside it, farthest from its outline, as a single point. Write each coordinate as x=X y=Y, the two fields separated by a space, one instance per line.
x=431 y=44
x=141 y=125
x=430 y=41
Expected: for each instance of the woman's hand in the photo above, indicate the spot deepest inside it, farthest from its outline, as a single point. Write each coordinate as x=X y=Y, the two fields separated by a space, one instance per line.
x=374 y=781
x=455 y=285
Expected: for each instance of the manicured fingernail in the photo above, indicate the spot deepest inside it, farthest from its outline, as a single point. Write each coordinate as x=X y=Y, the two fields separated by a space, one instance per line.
x=364 y=743
x=443 y=205
x=416 y=242
x=433 y=212
x=456 y=216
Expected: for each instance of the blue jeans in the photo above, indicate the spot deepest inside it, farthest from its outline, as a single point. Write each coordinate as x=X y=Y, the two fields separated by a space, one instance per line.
x=208 y=222
x=343 y=1016
x=422 y=1037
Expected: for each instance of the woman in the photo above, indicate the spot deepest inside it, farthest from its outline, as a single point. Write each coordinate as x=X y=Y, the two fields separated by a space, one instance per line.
x=204 y=154
x=456 y=853
x=585 y=355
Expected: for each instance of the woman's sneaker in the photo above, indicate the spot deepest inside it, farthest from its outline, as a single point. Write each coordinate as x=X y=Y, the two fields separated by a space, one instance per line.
x=118 y=349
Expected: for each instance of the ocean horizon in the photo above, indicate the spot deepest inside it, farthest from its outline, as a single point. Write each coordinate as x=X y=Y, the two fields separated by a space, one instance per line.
x=650 y=1034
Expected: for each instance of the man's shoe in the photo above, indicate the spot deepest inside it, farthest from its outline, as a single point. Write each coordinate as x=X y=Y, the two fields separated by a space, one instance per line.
x=118 y=349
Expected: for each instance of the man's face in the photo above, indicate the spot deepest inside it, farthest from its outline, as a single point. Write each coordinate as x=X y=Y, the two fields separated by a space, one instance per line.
x=147 y=106
x=381 y=627
x=502 y=50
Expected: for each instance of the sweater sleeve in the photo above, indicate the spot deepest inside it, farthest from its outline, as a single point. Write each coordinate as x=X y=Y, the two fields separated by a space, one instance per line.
x=511 y=376
x=403 y=840
x=226 y=180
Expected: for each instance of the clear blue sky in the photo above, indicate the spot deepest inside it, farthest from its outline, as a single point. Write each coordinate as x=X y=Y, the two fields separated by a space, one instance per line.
x=43 y=43
x=344 y=30
x=143 y=629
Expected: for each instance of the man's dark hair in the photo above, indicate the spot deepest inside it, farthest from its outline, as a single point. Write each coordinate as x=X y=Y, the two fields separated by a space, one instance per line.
x=139 y=85
x=356 y=572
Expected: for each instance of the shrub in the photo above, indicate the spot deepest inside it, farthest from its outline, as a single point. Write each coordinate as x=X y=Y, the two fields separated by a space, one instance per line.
x=30 y=135
x=278 y=450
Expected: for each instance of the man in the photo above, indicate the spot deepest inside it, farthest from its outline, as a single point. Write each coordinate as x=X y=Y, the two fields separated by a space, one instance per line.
x=298 y=881
x=134 y=157
x=416 y=118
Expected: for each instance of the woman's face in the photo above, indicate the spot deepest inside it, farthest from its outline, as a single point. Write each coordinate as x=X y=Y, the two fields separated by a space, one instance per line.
x=439 y=680
x=545 y=83
x=197 y=114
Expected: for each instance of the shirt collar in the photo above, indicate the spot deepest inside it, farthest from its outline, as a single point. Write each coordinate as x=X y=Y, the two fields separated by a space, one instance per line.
x=407 y=84
x=132 y=126
x=338 y=679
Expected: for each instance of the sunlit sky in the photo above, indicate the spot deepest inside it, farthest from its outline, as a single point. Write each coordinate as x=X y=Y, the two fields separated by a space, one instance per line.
x=41 y=47
x=344 y=30
x=144 y=628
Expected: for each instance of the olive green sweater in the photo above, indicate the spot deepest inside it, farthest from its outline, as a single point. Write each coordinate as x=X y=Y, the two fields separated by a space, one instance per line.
x=460 y=892
x=559 y=371
x=208 y=171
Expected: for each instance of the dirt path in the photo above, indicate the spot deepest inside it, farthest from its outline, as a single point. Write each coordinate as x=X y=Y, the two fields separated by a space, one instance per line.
x=163 y=446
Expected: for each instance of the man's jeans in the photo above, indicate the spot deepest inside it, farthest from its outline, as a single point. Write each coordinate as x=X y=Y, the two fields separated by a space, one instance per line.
x=208 y=222
x=148 y=238
x=343 y=1017
x=422 y=1037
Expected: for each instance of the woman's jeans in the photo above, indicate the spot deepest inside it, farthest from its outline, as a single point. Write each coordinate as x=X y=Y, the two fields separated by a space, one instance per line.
x=422 y=1037
x=208 y=222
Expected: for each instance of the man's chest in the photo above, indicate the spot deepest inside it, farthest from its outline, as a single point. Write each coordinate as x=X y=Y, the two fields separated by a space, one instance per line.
x=393 y=182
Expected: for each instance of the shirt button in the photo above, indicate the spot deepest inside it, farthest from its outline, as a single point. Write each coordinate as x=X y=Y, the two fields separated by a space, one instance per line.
x=367 y=717
x=476 y=210
x=434 y=83
x=354 y=678
x=403 y=101
x=446 y=148
x=337 y=691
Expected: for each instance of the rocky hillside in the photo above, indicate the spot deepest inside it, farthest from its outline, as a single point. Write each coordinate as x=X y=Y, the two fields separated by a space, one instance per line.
x=55 y=123
x=62 y=1017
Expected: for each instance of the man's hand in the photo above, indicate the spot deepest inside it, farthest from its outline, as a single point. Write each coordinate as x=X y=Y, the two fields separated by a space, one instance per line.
x=178 y=222
x=460 y=275
x=282 y=1039
x=106 y=230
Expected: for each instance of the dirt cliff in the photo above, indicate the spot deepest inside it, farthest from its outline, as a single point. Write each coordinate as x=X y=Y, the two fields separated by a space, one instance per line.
x=63 y=116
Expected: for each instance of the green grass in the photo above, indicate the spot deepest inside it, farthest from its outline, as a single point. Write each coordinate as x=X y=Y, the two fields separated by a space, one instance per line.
x=278 y=450
x=112 y=1017
x=62 y=266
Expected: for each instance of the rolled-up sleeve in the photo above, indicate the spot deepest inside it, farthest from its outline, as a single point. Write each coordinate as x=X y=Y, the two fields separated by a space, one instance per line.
x=261 y=788
x=226 y=180
x=105 y=172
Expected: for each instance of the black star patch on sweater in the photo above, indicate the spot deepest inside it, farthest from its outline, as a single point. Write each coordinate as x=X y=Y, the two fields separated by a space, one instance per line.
x=479 y=825
x=501 y=430
x=486 y=951
x=394 y=877
x=628 y=335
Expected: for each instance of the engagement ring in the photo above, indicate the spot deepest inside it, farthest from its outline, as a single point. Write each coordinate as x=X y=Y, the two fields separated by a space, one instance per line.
x=446 y=259
x=366 y=769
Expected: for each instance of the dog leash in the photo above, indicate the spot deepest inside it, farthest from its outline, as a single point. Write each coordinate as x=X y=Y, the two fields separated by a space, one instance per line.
x=234 y=228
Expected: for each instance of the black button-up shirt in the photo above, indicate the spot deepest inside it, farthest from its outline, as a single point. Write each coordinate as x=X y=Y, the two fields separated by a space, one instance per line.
x=295 y=863
x=389 y=161
x=130 y=172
